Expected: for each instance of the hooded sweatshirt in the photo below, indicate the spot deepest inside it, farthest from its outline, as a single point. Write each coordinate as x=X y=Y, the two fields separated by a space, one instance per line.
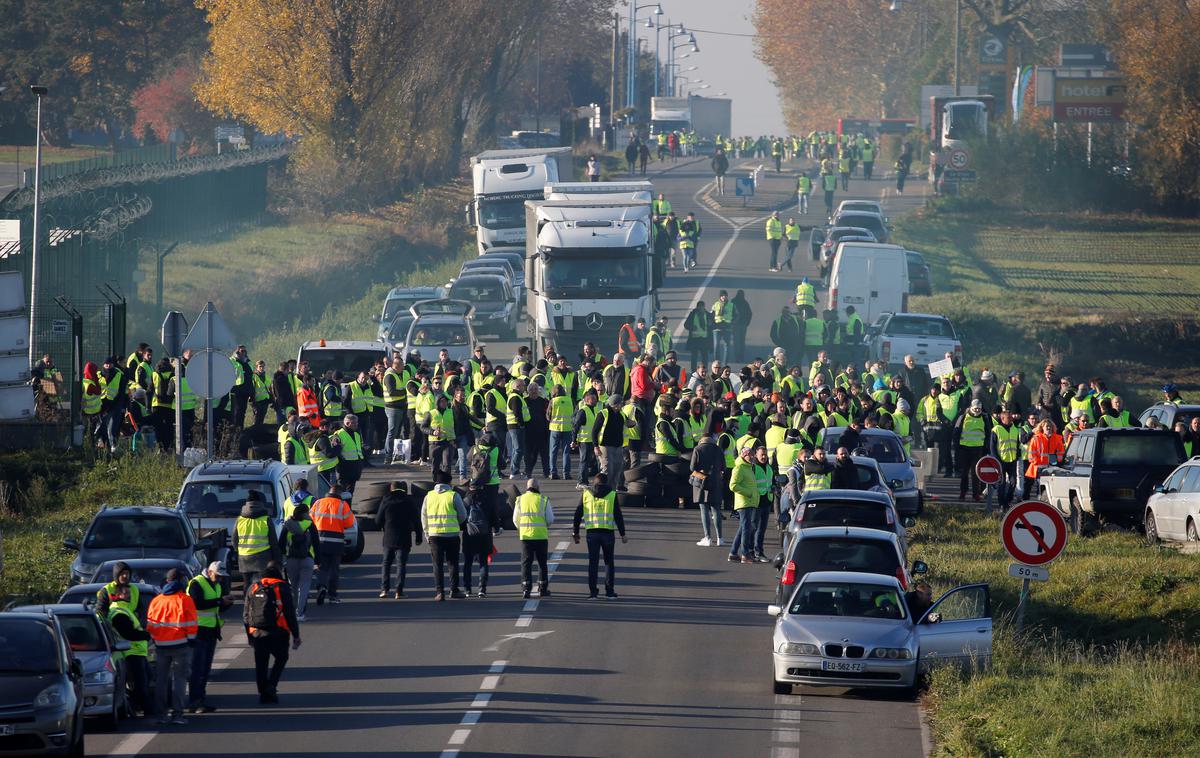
x=599 y=490
x=258 y=562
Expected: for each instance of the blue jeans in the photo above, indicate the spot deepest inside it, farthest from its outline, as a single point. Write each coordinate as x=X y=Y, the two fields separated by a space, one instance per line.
x=587 y=460
x=710 y=515
x=516 y=449
x=560 y=454
x=395 y=421
x=724 y=342
x=744 y=539
x=202 y=660
x=463 y=443
x=764 y=517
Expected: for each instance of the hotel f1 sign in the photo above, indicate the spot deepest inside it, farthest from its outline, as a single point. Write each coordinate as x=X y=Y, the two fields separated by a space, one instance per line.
x=1080 y=100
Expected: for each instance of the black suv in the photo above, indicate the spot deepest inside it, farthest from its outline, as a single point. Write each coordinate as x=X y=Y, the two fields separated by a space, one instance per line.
x=41 y=688
x=1107 y=475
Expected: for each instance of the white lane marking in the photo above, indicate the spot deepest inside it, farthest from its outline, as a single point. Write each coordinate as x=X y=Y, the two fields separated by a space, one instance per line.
x=226 y=653
x=449 y=754
x=531 y=605
x=564 y=545
x=524 y=621
x=471 y=718
x=459 y=737
x=495 y=647
x=481 y=700
x=786 y=736
x=489 y=683
x=133 y=744
x=789 y=716
x=780 y=751
x=497 y=667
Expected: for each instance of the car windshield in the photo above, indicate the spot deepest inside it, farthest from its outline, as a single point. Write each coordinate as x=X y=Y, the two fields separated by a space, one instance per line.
x=438 y=334
x=27 y=647
x=493 y=263
x=501 y=214
x=155 y=576
x=599 y=276
x=913 y=326
x=223 y=499
x=854 y=205
x=853 y=600
x=515 y=261
x=83 y=632
x=840 y=234
x=398 y=331
x=478 y=291
x=1139 y=450
x=884 y=448
x=846 y=513
x=136 y=531
x=348 y=361
x=866 y=221
x=845 y=554
x=398 y=305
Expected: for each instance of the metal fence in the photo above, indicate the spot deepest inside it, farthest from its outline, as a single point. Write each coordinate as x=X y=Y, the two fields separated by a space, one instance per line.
x=164 y=153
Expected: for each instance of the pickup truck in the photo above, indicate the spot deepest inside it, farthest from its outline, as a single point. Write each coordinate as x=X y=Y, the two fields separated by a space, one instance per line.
x=924 y=336
x=1107 y=475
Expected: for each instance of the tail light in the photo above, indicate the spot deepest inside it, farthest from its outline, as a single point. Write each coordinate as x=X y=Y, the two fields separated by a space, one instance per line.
x=886 y=352
x=789 y=573
x=902 y=578
x=833 y=293
x=799 y=513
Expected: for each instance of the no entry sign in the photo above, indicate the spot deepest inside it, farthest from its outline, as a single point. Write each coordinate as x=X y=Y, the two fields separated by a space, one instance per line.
x=1033 y=533
x=987 y=469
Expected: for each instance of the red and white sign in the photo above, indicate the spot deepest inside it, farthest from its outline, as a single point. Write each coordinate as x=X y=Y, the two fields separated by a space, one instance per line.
x=958 y=159
x=1033 y=533
x=987 y=469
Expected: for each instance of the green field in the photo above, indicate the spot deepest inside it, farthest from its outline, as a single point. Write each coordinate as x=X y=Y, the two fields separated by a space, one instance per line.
x=1098 y=295
x=1106 y=665
x=25 y=154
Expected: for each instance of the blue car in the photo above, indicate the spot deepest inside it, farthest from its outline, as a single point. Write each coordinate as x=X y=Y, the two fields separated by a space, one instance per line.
x=887 y=449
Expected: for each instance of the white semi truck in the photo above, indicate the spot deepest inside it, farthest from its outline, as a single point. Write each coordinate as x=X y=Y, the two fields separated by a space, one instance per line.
x=589 y=265
x=503 y=181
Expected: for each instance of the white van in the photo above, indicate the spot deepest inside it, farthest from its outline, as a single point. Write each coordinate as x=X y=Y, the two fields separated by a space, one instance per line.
x=871 y=277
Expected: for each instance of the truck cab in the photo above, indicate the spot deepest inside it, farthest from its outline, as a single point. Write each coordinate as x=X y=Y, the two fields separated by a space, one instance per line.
x=503 y=180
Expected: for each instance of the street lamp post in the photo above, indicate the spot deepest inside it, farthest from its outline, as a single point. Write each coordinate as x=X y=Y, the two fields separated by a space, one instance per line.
x=631 y=74
x=40 y=91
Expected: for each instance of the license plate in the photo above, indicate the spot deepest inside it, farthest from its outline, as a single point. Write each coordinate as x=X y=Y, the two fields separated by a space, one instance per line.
x=845 y=666
x=1123 y=494
x=7 y=729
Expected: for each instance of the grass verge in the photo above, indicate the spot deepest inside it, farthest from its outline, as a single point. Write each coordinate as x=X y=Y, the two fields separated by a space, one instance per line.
x=1106 y=665
x=24 y=154
x=48 y=499
x=1099 y=295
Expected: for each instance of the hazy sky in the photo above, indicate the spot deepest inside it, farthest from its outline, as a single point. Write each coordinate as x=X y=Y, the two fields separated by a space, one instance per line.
x=725 y=62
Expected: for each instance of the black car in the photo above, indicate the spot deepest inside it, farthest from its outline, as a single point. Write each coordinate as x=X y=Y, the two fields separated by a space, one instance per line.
x=41 y=687
x=117 y=533
x=1107 y=475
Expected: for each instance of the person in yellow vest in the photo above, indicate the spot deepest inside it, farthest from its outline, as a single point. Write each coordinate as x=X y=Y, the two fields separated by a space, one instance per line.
x=93 y=400
x=774 y=239
x=351 y=454
x=117 y=602
x=745 y=504
x=533 y=516
x=971 y=432
x=209 y=596
x=1006 y=446
x=561 y=413
x=254 y=539
x=599 y=513
x=829 y=182
x=262 y=392
x=791 y=232
x=582 y=424
x=442 y=517
x=438 y=427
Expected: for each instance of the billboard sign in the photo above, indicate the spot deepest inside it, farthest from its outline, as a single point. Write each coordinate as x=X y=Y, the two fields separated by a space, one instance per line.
x=1082 y=100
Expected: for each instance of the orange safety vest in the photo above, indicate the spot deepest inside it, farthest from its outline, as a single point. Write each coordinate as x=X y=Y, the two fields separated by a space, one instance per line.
x=331 y=514
x=627 y=341
x=306 y=405
x=1040 y=449
x=171 y=619
x=281 y=617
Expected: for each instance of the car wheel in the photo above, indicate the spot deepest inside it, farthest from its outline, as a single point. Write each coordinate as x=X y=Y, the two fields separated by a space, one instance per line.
x=1192 y=536
x=356 y=552
x=77 y=750
x=1151 y=535
x=782 y=688
x=110 y=721
x=1075 y=519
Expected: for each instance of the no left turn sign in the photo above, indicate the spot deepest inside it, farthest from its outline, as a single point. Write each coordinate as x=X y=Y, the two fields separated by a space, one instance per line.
x=1033 y=533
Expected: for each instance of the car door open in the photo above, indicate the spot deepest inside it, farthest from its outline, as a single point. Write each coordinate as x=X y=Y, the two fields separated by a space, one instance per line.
x=957 y=629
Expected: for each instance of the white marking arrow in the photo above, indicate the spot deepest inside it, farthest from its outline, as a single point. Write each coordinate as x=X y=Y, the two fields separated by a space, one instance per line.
x=518 y=636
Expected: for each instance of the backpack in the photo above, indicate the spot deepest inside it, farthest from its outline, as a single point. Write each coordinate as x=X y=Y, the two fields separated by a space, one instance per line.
x=480 y=472
x=262 y=607
x=477 y=523
x=298 y=540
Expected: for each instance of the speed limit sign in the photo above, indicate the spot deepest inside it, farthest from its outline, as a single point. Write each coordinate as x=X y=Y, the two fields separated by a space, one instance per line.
x=960 y=159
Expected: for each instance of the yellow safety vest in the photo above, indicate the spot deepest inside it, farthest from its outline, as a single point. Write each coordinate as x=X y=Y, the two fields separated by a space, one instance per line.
x=110 y=387
x=774 y=437
x=252 y=535
x=1008 y=442
x=763 y=479
x=792 y=231
x=972 y=432
x=91 y=403
x=319 y=459
x=441 y=516
x=774 y=229
x=136 y=647
x=261 y=392
x=632 y=433
x=785 y=456
x=511 y=418
x=806 y=294
x=589 y=420
x=531 y=516
x=209 y=617
x=360 y=398
x=814 y=482
x=561 y=411
x=351 y=444
x=598 y=511
x=441 y=425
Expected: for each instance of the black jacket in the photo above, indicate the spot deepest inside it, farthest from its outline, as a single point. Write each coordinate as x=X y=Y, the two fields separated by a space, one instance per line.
x=281 y=390
x=599 y=491
x=845 y=475
x=720 y=164
x=399 y=518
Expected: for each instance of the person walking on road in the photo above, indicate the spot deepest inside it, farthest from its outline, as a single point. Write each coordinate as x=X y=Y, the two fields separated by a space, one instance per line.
x=400 y=522
x=254 y=538
x=533 y=517
x=271 y=624
x=774 y=238
x=631 y=154
x=903 y=164
x=742 y=314
x=791 y=232
x=804 y=187
x=608 y=432
x=477 y=544
x=210 y=599
x=720 y=165
x=708 y=471
x=300 y=541
x=442 y=517
x=699 y=337
x=689 y=240
x=723 y=314
x=643 y=156
x=745 y=503
x=593 y=169
x=599 y=513
x=829 y=183
x=844 y=168
x=172 y=623
x=868 y=159
x=332 y=517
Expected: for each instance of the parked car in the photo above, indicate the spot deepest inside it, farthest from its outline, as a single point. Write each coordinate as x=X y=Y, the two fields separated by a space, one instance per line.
x=141 y=531
x=886 y=447
x=98 y=649
x=842 y=548
x=866 y=206
x=871 y=277
x=41 y=687
x=834 y=235
x=346 y=356
x=151 y=571
x=1173 y=511
x=442 y=325
x=397 y=331
x=1108 y=475
x=925 y=336
x=399 y=300
x=875 y=222
x=920 y=281
x=1168 y=413
x=494 y=301
x=854 y=629
x=85 y=594
x=869 y=509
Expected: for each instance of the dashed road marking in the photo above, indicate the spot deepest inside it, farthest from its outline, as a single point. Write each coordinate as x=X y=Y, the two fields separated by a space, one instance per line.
x=489 y=683
x=523 y=621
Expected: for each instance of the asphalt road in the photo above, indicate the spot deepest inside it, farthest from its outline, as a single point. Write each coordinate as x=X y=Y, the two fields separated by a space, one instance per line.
x=679 y=664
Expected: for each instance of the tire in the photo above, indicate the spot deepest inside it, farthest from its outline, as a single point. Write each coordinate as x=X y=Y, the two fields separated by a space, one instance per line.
x=1075 y=518
x=1192 y=535
x=662 y=458
x=1151 y=535
x=354 y=553
x=782 y=688
x=630 y=500
x=644 y=472
x=642 y=488
x=418 y=490
x=677 y=470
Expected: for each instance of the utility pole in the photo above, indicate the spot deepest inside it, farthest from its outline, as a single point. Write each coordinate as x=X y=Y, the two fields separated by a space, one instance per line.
x=39 y=91
x=612 y=82
x=957 y=44
x=537 y=85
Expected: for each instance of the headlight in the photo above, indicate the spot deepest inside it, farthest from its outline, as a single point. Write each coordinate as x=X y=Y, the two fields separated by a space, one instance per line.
x=894 y=653
x=103 y=676
x=798 y=648
x=51 y=697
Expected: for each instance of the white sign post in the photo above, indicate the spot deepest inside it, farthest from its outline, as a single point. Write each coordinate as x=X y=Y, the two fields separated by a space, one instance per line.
x=210 y=339
x=1034 y=534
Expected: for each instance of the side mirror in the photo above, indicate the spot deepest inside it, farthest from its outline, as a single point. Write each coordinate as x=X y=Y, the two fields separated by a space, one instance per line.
x=774 y=610
x=375 y=318
x=932 y=618
x=1160 y=489
x=913 y=463
x=778 y=561
x=71 y=544
x=908 y=522
x=121 y=645
x=919 y=568
x=895 y=484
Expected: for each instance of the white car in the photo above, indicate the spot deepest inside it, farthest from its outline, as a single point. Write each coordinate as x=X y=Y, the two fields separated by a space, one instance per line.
x=868 y=206
x=1173 y=511
x=442 y=325
x=853 y=629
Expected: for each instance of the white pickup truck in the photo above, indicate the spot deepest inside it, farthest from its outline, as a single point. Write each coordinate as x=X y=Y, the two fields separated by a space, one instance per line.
x=925 y=336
